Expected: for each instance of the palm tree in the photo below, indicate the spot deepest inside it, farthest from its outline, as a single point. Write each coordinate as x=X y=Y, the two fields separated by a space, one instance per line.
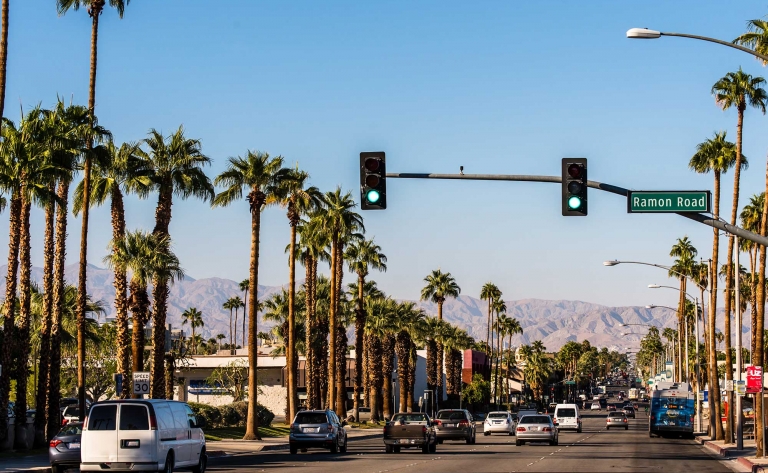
x=230 y=304
x=3 y=58
x=219 y=338
x=362 y=255
x=243 y=285
x=94 y=9
x=339 y=222
x=717 y=155
x=194 y=318
x=684 y=251
x=176 y=167
x=537 y=369
x=300 y=200
x=380 y=326
x=147 y=257
x=409 y=321
x=262 y=177
x=489 y=292
x=757 y=39
x=117 y=171
x=439 y=287
x=750 y=216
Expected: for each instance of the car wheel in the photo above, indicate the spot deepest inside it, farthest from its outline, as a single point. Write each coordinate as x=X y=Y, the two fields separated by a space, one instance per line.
x=512 y=433
x=168 y=463
x=626 y=428
x=344 y=448
x=468 y=440
x=293 y=450
x=202 y=463
x=57 y=469
x=335 y=446
x=440 y=442
x=486 y=434
x=425 y=448
x=396 y=449
x=433 y=448
x=578 y=431
x=519 y=443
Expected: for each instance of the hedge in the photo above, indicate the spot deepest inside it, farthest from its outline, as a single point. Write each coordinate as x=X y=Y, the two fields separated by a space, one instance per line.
x=230 y=415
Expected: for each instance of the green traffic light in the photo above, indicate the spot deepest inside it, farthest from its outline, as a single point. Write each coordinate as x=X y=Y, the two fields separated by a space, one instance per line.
x=574 y=203
x=372 y=196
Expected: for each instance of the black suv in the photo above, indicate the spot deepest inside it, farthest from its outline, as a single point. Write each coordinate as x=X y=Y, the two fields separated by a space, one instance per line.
x=455 y=424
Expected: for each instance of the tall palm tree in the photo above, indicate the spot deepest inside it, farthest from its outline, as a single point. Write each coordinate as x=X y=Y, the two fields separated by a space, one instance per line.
x=409 y=320
x=261 y=176
x=219 y=338
x=176 y=168
x=750 y=216
x=439 y=287
x=194 y=318
x=300 y=199
x=757 y=39
x=682 y=268
x=379 y=326
x=718 y=156
x=243 y=285
x=230 y=304
x=362 y=255
x=338 y=221
x=147 y=257
x=117 y=170
x=94 y=9
x=489 y=292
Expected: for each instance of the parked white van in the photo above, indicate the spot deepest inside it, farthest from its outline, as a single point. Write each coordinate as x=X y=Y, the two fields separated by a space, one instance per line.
x=567 y=417
x=142 y=435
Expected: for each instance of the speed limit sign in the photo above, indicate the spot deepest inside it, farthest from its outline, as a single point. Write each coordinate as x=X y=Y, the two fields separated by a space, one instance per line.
x=141 y=382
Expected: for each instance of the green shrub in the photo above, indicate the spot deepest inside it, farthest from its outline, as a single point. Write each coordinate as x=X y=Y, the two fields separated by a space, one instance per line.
x=211 y=414
x=230 y=415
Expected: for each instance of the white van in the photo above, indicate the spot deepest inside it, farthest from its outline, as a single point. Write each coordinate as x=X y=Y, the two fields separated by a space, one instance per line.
x=567 y=417
x=142 y=435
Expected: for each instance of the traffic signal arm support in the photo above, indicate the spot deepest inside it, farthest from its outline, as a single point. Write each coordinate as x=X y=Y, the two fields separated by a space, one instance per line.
x=701 y=218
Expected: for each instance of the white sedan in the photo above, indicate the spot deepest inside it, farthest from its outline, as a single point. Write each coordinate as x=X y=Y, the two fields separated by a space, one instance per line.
x=595 y=406
x=499 y=422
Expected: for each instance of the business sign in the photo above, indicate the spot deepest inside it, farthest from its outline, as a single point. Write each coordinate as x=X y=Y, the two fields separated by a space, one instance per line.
x=754 y=379
x=668 y=201
x=141 y=382
x=741 y=388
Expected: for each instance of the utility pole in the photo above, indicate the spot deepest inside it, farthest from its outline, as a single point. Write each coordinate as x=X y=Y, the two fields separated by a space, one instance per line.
x=739 y=422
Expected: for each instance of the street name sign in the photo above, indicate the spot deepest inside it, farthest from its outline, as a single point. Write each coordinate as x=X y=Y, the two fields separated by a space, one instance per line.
x=668 y=201
x=570 y=382
x=141 y=382
x=754 y=379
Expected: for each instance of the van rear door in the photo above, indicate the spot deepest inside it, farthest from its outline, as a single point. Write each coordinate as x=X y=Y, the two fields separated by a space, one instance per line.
x=135 y=436
x=182 y=431
x=99 y=438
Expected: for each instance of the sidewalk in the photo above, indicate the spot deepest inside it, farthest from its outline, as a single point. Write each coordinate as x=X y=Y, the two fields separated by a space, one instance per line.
x=745 y=457
x=39 y=463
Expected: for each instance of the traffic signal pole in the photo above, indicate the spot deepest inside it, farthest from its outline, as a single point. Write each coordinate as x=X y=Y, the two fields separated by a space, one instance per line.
x=698 y=217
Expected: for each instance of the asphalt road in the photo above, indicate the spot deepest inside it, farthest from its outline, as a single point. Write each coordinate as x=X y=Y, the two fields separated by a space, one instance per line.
x=594 y=450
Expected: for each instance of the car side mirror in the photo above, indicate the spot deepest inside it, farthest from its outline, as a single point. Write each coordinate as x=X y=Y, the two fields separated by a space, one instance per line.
x=557 y=423
x=198 y=423
x=343 y=423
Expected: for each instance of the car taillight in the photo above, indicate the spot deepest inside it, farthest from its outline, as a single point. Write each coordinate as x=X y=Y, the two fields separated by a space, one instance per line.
x=54 y=442
x=547 y=429
x=423 y=429
x=152 y=421
x=438 y=422
x=464 y=422
x=625 y=420
x=521 y=429
x=64 y=421
x=85 y=423
x=331 y=428
x=554 y=420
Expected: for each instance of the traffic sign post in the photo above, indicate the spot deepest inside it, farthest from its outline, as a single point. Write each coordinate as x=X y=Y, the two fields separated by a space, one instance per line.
x=141 y=382
x=668 y=201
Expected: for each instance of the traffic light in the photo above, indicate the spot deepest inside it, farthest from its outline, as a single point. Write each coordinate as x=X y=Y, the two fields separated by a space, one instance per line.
x=574 y=187
x=373 y=181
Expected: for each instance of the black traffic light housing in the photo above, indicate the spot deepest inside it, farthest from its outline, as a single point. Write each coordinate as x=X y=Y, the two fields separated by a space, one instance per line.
x=574 y=187
x=373 y=180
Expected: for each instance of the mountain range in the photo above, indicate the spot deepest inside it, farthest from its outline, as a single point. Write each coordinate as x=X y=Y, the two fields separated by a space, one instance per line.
x=554 y=322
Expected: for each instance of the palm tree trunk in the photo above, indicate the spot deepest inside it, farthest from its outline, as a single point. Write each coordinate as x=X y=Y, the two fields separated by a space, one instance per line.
x=160 y=296
x=290 y=352
x=139 y=304
x=22 y=337
x=9 y=314
x=309 y=358
x=341 y=372
x=231 y=334
x=714 y=380
x=376 y=378
x=234 y=343
x=256 y=200
x=439 y=358
x=332 y=328
x=488 y=334
x=757 y=355
x=82 y=272
x=359 y=328
x=41 y=412
x=121 y=304
x=366 y=368
x=753 y=298
x=59 y=286
x=388 y=352
x=402 y=369
x=411 y=374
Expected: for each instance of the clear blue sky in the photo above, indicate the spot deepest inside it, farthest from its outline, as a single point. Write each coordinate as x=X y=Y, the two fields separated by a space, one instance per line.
x=498 y=87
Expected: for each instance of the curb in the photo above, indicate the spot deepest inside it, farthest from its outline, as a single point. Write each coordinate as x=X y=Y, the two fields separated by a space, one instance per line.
x=725 y=453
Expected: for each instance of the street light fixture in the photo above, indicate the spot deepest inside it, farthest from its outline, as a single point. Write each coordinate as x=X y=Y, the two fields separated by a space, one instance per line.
x=645 y=33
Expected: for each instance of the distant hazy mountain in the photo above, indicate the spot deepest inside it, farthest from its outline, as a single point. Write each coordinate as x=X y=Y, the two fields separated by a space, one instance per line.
x=553 y=322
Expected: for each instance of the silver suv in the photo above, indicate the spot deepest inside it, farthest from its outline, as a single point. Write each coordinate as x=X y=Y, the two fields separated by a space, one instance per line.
x=317 y=429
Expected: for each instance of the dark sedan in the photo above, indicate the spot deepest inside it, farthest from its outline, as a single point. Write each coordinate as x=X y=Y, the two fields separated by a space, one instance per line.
x=64 y=448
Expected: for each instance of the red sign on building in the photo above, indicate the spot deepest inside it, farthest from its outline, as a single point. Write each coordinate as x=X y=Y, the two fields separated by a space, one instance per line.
x=754 y=379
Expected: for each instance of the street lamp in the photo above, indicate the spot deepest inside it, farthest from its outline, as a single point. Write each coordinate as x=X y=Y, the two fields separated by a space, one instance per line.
x=645 y=33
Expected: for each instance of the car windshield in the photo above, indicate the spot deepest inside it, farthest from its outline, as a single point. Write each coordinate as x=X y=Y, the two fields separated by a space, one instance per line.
x=72 y=411
x=409 y=418
x=617 y=416
x=450 y=415
x=71 y=429
x=311 y=418
x=535 y=420
x=496 y=415
x=566 y=413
